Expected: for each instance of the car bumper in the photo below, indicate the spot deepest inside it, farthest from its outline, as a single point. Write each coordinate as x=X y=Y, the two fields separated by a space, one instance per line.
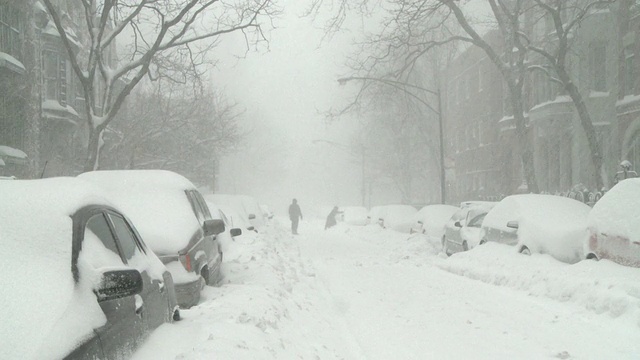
x=188 y=294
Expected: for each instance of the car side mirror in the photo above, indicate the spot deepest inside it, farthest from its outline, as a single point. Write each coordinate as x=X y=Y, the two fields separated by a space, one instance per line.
x=235 y=232
x=117 y=284
x=252 y=216
x=457 y=224
x=512 y=224
x=213 y=227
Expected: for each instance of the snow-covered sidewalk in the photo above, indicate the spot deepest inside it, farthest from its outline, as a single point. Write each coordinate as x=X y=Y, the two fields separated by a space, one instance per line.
x=368 y=293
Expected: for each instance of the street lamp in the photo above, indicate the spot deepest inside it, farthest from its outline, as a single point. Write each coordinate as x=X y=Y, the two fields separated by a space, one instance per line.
x=403 y=87
x=342 y=146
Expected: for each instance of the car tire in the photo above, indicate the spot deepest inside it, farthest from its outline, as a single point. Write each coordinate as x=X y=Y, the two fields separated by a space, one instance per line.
x=525 y=251
x=176 y=314
x=204 y=273
x=482 y=242
x=465 y=246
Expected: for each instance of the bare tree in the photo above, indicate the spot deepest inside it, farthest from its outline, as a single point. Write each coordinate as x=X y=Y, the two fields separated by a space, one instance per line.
x=414 y=28
x=173 y=127
x=170 y=38
x=566 y=16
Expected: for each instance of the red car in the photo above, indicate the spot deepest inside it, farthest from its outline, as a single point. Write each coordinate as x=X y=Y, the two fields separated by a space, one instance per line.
x=614 y=227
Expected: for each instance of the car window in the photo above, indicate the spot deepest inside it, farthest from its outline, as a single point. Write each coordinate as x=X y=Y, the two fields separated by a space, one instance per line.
x=197 y=209
x=99 y=227
x=203 y=205
x=125 y=236
x=476 y=221
x=99 y=247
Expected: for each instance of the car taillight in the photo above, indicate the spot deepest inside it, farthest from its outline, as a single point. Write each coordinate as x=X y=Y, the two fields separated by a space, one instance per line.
x=186 y=261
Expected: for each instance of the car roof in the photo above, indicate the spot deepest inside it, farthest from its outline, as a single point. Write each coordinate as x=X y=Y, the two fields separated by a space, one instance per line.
x=156 y=203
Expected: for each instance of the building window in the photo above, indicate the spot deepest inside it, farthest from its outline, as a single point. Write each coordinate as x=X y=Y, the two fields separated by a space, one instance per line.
x=598 y=66
x=55 y=76
x=11 y=24
x=629 y=80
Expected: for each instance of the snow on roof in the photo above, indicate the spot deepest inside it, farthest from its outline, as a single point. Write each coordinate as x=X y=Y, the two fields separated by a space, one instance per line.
x=11 y=152
x=617 y=212
x=39 y=297
x=156 y=203
x=11 y=60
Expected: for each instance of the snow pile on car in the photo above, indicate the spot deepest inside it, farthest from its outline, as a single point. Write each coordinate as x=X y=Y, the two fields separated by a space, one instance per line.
x=618 y=212
x=43 y=310
x=546 y=223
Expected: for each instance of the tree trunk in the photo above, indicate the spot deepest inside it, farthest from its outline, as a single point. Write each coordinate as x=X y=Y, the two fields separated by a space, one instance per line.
x=32 y=96
x=587 y=125
x=93 y=150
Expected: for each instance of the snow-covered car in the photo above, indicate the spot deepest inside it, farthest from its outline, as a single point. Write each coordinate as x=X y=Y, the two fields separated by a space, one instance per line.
x=374 y=216
x=462 y=231
x=397 y=217
x=174 y=220
x=536 y=223
x=430 y=220
x=353 y=215
x=614 y=229
x=266 y=211
x=78 y=281
x=231 y=231
x=244 y=205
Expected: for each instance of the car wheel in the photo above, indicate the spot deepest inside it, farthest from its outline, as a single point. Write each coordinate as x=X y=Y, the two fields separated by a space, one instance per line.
x=525 y=250
x=176 y=314
x=465 y=246
x=482 y=242
x=592 y=256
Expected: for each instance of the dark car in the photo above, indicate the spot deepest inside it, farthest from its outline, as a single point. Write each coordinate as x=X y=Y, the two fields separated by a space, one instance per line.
x=614 y=230
x=90 y=288
x=174 y=220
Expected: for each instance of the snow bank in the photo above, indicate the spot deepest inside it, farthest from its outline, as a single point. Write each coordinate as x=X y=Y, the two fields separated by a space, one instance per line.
x=601 y=287
x=266 y=308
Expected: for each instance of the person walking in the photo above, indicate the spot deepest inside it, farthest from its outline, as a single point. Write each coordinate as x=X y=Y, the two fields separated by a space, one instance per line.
x=295 y=214
x=331 y=218
x=625 y=173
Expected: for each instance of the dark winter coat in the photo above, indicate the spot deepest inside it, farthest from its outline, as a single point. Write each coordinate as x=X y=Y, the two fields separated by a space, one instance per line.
x=295 y=212
x=331 y=218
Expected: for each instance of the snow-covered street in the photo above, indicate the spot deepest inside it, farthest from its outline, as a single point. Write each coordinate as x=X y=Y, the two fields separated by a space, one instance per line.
x=368 y=293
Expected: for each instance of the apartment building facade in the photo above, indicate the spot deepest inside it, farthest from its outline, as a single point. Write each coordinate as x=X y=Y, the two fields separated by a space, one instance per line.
x=41 y=103
x=489 y=166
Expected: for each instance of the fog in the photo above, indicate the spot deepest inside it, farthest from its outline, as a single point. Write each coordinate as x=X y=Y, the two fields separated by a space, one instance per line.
x=290 y=150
